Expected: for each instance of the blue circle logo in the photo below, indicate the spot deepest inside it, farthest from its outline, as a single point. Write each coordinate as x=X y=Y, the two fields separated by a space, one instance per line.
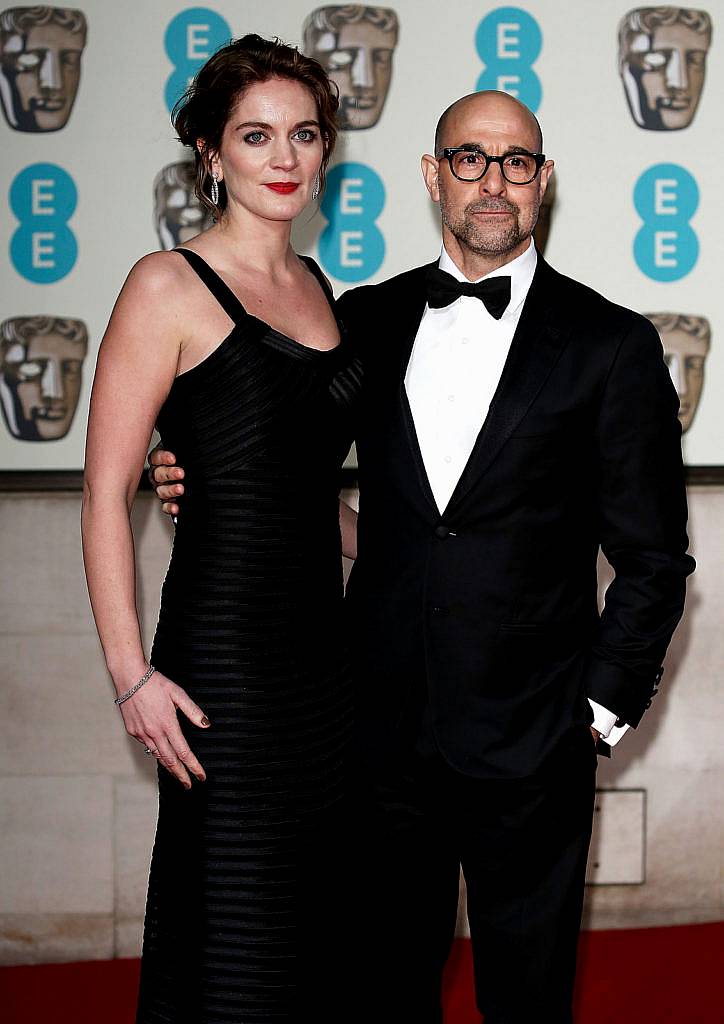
x=191 y=38
x=509 y=42
x=43 y=249
x=352 y=247
x=666 y=247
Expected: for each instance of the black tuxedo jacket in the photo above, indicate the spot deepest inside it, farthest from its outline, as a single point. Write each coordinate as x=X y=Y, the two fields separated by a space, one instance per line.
x=490 y=606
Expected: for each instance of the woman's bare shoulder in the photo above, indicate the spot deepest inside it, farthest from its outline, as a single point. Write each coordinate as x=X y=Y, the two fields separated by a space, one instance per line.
x=158 y=274
x=153 y=299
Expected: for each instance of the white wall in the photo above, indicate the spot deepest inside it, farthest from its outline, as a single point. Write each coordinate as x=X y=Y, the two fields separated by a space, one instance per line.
x=78 y=798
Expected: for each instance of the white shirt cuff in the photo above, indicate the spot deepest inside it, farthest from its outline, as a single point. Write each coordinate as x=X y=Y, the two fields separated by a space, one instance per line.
x=604 y=722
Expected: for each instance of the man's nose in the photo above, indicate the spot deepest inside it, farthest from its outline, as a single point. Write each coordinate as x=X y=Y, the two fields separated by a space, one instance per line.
x=492 y=183
x=363 y=76
x=676 y=77
x=678 y=376
x=51 y=383
x=50 y=78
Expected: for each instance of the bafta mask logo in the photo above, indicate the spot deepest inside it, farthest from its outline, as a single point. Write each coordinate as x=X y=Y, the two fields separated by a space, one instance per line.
x=545 y=215
x=41 y=367
x=40 y=52
x=686 y=341
x=662 y=62
x=177 y=213
x=355 y=44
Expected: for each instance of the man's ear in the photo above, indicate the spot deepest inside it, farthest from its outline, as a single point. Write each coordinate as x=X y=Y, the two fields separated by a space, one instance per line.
x=430 y=171
x=545 y=173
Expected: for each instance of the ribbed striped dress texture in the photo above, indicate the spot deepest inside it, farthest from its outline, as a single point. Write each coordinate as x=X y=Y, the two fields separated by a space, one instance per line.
x=240 y=919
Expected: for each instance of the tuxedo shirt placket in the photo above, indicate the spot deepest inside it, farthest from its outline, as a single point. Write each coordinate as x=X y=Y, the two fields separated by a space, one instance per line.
x=454 y=369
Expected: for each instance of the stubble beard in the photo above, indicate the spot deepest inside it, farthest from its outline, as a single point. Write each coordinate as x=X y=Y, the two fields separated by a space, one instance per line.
x=487 y=239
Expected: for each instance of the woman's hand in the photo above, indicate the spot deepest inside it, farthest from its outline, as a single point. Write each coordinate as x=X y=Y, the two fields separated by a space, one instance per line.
x=150 y=717
x=164 y=476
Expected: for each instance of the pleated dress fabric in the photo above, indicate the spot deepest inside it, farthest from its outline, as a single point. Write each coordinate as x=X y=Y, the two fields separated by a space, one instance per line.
x=240 y=920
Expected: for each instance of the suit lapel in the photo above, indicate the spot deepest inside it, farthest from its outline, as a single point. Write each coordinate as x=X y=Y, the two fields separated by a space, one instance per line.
x=411 y=309
x=534 y=351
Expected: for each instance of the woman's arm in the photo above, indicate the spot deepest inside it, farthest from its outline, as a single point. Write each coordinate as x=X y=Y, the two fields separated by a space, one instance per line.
x=348 y=529
x=136 y=367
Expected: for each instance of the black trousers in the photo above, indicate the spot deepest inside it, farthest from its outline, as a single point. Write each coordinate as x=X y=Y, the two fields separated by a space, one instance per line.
x=522 y=844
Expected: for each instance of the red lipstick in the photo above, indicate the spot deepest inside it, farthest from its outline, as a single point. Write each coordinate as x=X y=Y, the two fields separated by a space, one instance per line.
x=284 y=188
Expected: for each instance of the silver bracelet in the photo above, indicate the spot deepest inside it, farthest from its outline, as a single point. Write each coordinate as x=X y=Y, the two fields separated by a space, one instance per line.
x=139 y=684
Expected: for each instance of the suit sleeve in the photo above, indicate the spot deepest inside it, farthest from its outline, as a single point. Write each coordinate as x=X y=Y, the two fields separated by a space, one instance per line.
x=642 y=523
x=351 y=307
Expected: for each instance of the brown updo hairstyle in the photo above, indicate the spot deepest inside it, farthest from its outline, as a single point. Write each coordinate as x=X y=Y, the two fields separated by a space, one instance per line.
x=204 y=109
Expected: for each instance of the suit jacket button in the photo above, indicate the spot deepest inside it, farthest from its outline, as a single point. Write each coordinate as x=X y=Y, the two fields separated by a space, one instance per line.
x=441 y=532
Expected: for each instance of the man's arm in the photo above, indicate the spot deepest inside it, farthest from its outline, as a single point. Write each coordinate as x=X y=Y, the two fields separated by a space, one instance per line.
x=642 y=510
x=165 y=477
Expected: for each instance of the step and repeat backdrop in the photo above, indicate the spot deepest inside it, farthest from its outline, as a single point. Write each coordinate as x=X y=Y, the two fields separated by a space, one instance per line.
x=629 y=99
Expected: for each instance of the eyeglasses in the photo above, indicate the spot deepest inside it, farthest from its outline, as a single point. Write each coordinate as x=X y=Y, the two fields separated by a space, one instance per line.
x=468 y=163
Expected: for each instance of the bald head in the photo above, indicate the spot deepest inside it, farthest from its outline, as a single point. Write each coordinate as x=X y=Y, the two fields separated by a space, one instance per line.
x=489 y=104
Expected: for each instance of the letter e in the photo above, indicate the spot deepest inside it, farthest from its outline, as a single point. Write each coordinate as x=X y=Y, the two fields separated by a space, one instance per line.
x=665 y=248
x=349 y=244
x=42 y=196
x=505 y=82
x=665 y=197
x=506 y=39
x=43 y=248
x=197 y=42
x=348 y=198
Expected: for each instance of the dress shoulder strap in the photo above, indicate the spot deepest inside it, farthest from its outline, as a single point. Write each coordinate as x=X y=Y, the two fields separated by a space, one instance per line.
x=218 y=288
x=314 y=267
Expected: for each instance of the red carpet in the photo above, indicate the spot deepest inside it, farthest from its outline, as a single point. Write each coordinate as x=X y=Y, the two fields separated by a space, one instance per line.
x=649 y=976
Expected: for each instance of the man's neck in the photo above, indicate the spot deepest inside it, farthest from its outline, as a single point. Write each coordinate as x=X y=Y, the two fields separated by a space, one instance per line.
x=475 y=265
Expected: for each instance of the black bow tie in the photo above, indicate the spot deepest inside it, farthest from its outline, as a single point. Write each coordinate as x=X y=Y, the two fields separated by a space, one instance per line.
x=443 y=288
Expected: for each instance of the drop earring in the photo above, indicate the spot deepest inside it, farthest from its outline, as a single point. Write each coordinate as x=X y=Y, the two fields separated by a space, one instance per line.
x=215 y=189
x=315 y=187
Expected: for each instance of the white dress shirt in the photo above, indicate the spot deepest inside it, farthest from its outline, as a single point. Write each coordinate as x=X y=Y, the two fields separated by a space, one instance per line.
x=454 y=370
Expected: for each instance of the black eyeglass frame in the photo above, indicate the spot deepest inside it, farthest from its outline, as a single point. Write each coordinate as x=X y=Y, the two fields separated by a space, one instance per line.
x=449 y=152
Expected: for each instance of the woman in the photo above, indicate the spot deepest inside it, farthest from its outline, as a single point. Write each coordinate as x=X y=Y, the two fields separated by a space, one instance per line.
x=230 y=344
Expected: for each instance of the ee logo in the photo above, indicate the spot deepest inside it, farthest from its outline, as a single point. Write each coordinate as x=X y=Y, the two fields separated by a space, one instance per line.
x=666 y=247
x=509 y=41
x=191 y=38
x=352 y=247
x=43 y=249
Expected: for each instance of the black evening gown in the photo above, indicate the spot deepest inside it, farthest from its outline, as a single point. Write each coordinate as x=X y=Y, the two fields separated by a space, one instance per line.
x=245 y=871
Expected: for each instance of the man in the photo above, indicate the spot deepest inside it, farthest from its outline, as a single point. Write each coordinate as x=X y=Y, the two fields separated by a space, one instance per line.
x=506 y=432
x=41 y=364
x=354 y=44
x=662 y=62
x=177 y=213
x=686 y=341
x=40 y=54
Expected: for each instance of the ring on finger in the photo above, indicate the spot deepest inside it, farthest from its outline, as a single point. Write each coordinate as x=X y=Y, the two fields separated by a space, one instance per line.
x=150 y=751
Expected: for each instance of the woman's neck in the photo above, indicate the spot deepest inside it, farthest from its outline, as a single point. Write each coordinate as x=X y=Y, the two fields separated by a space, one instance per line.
x=262 y=245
